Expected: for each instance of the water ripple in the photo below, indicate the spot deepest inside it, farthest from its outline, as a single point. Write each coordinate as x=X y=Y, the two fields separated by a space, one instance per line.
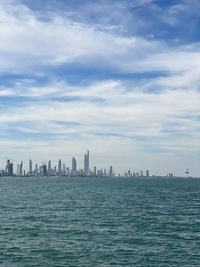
x=99 y=222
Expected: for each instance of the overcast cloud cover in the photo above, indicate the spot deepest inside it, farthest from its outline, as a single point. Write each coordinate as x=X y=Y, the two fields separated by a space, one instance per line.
x=120 y=78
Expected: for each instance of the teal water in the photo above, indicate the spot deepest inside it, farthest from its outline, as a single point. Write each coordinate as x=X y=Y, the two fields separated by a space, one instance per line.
x=99 y=222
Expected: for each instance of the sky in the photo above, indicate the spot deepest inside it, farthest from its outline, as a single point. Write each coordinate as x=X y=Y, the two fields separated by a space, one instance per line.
x=118 y=77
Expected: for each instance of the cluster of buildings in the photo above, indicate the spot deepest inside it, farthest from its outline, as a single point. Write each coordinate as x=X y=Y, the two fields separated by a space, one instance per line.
x=61 y=170
x=137 y=174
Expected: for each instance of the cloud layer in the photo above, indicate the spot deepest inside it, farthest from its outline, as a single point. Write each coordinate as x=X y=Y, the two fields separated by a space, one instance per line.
x=79 y=82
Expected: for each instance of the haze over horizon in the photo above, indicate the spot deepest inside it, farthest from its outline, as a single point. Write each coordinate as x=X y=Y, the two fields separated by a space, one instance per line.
x=120 y=78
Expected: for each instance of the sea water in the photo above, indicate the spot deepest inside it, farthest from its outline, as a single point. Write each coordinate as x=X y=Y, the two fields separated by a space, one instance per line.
x=99 y=222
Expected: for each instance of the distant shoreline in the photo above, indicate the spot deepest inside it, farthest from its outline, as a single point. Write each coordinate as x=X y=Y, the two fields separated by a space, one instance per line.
x=103 y=177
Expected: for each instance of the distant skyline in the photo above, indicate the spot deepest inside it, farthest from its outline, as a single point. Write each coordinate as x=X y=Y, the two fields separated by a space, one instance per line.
x=120 y=78
x=64 y=169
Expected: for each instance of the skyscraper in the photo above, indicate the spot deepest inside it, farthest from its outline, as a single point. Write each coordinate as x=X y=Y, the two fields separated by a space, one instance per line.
x=21 y=168
x=87 y=164
x=95 y=171
x=59 y=167
x=74 y=167
x=44 y=170
x=36 y=169
x=18 y=170
x=10 y=169
x=64 y=169
x=7 y=166
x=111 y=171
x=30 y=167
x=49 y=167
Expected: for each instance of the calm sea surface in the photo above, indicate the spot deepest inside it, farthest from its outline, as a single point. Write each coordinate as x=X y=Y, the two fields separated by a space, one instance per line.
x=99 y=222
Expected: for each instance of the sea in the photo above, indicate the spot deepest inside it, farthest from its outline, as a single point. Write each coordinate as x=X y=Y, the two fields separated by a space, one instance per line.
x=83 y=222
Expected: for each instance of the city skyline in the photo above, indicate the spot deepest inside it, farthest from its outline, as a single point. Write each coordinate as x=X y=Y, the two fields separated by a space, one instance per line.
x=48 y=169
x=118 y=77
x=62 y=168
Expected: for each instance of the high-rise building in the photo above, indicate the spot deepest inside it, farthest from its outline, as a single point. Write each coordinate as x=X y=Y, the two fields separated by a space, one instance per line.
x=64 y=169
x=44 y=170
x=21 y=168
x=49 y=167
x=59 y=167
x=36 y=169
x=10 y=169
x=74 y=167
x=18 y=170
x=147 y=173
x=87 y=164
x=95 y=171
x=7 y=166
x=111 y=171
x=54 y=171
x=30 y=167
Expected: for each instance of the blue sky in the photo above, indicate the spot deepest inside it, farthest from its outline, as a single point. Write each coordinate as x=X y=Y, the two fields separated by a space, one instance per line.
x=120 y=78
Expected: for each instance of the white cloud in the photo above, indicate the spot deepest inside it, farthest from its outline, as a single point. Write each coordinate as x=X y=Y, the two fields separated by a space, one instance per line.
x=28 y=43
x=123 y=110
x=136 y=121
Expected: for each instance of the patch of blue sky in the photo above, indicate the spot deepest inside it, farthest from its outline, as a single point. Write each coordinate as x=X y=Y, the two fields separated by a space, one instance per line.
x=16 y=101
x=66 y=99
x=75 y=74
x=11 y=79
x=169 y=20
x=22 y=101
x=165 y=19
x=54 y=4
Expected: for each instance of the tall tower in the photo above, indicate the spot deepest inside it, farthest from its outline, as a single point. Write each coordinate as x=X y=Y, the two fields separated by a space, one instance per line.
x=36 y=169
x=30 y=167
x=111 y=171
x=49 y=167
x=87 y=163
x=7 y=166
x=44 y=170
x=18 y=170
x=74 y=167
x=59 y=167
x=95 y=171
x=21 y=168
x=10 y=169
x=64 y=169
